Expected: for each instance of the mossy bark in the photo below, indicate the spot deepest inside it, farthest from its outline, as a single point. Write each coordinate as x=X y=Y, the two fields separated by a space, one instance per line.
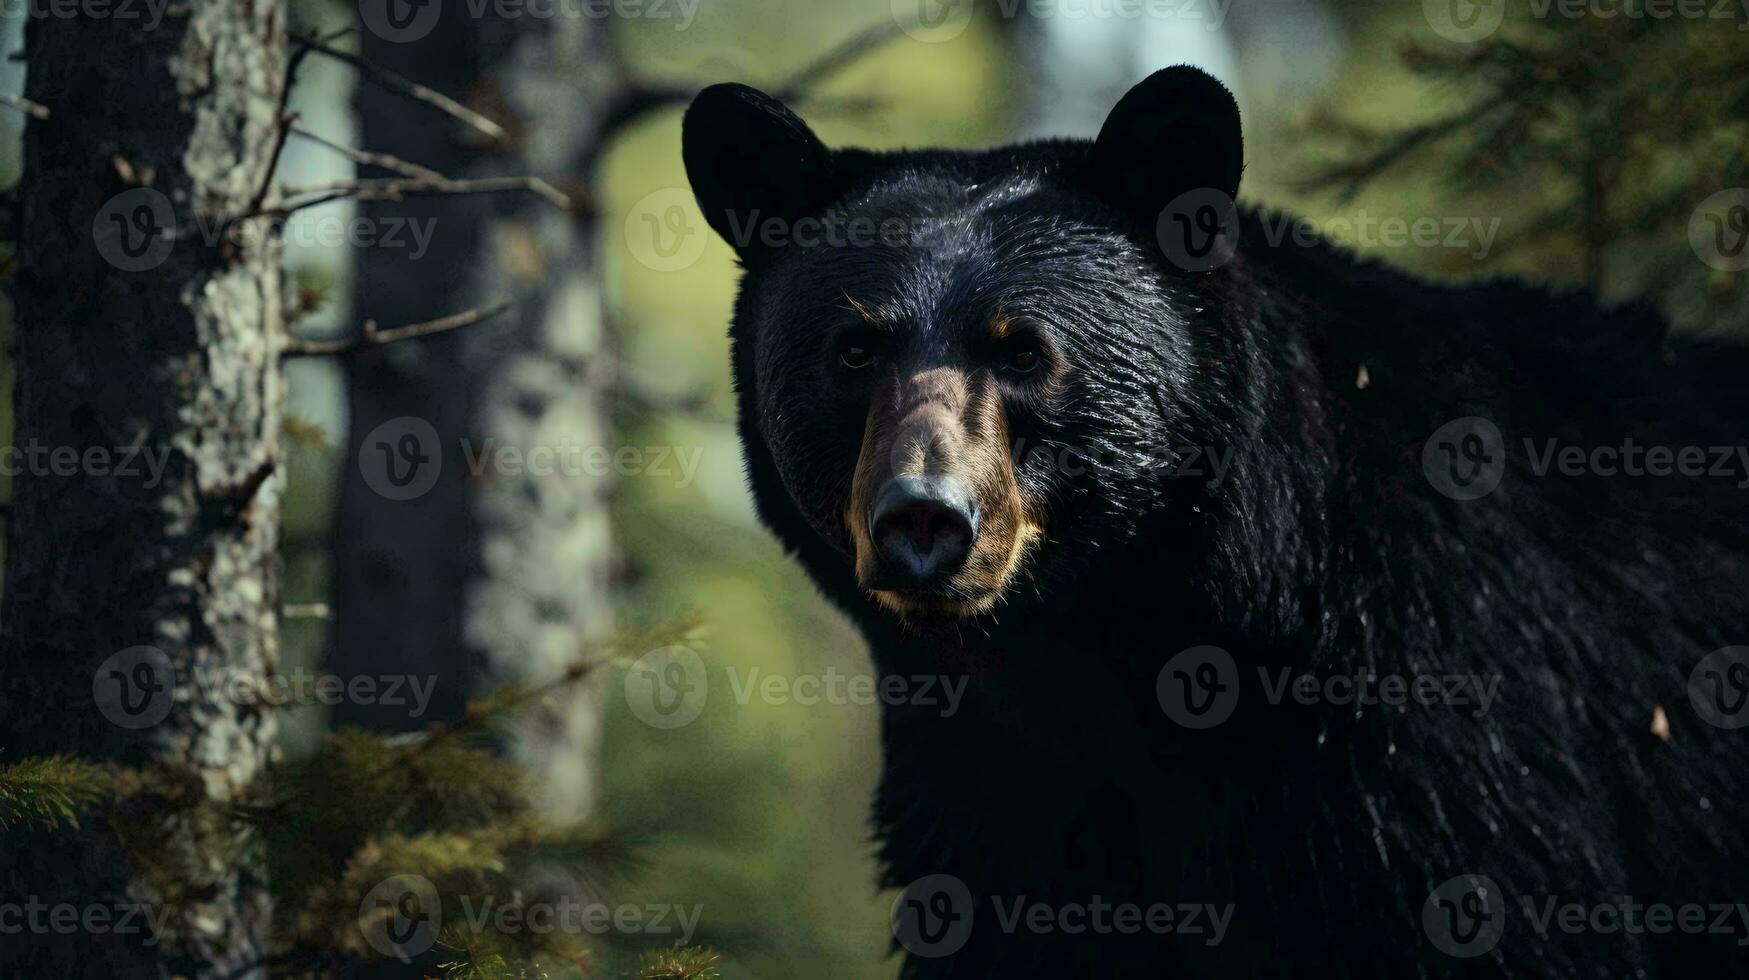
x=149 y=325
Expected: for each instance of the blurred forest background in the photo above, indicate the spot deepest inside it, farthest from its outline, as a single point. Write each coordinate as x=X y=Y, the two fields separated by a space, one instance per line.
x=1592 y=141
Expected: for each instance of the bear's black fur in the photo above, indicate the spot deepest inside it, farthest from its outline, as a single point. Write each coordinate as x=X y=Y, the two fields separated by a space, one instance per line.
x=1589 y=599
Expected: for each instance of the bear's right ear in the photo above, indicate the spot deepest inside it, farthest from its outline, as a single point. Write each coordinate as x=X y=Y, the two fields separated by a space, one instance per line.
x=1177 y=130
x=750 y=159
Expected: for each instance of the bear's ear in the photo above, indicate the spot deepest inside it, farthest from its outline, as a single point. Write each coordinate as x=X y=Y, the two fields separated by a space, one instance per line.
x=1176 y=131
x=750 y=160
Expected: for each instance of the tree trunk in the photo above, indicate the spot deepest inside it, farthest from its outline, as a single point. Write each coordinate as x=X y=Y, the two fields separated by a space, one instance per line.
x=141 y=558
x=476 y=572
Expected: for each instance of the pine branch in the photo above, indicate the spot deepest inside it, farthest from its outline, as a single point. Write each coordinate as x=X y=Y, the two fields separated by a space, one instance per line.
x=683 y=963
x=51 y=791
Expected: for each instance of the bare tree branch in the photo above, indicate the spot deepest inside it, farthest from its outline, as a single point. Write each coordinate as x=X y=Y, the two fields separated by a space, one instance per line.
x=376 y=337
x=638 y=99
x=285 y=118
x=393 y=189
x=304 y=610
x=413 y=90
x=366 y=158
x=35 y=110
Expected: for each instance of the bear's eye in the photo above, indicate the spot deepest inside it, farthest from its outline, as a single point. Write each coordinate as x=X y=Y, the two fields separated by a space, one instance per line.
x=854 y=355
x=1023 y=361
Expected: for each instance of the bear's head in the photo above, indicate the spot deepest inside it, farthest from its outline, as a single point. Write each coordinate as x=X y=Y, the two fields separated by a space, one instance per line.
x=966 y=377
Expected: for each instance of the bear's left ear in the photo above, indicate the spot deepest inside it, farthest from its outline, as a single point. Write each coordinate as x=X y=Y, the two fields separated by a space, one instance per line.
x=1176 y=131
x=751 y=160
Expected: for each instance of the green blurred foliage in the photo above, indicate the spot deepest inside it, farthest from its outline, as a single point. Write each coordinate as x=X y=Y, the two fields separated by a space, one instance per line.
x=756 y=810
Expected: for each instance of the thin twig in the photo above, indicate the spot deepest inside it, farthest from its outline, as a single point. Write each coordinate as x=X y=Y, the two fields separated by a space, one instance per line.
x=393 y=189
x=36 y=110
x=796 y=86
x=639 y=99
x=304 y=610
x=373 y=336
x=476 y=716
x=283 y=118
x=413 y=90
x=366 y=158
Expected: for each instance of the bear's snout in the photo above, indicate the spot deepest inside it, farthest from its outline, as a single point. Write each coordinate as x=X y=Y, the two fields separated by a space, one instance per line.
x=922 y=528
x=936 y=516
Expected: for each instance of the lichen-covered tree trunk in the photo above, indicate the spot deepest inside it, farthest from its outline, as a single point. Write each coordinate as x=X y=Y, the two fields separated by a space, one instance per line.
x=141 y=576
x=495 y=572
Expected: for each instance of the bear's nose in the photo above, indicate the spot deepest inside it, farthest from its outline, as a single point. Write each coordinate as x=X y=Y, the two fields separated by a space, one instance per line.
x=922 y=527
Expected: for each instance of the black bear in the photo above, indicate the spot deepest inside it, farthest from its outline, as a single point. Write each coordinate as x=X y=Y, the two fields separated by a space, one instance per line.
x=1314 y=620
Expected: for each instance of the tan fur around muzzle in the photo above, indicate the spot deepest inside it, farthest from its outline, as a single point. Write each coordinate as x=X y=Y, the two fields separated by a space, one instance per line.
x=943 y=422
